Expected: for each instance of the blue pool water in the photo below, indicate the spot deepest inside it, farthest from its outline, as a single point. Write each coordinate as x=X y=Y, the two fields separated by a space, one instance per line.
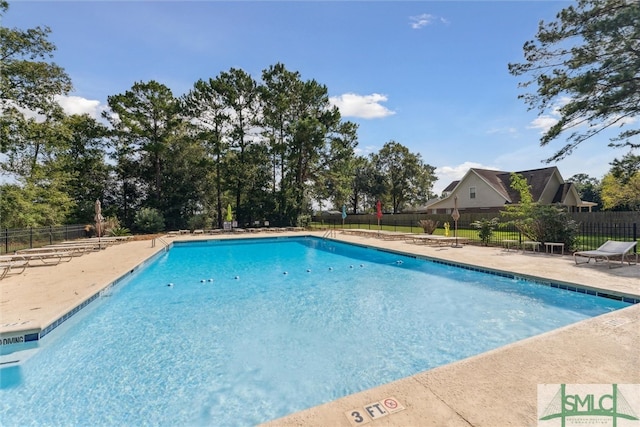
x=285 y=324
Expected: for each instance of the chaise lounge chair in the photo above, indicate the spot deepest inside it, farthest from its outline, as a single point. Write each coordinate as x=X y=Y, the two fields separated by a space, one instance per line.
x=435 y=239
x=609 y=249
x=393 y=235
x=46 y=256
x=9 y=263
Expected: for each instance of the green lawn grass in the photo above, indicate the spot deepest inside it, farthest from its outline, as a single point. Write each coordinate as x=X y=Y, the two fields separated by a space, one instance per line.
x=583 y=243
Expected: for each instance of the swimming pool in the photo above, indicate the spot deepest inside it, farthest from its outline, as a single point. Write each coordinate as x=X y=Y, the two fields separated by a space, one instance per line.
x=254 y=330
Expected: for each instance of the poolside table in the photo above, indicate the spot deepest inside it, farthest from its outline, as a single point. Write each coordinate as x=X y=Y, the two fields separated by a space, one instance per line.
x=535 y=246
x=508 y=243
x=548 y=246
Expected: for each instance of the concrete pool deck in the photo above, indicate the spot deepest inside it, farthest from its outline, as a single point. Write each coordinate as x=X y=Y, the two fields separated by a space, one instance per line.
x=496 y=388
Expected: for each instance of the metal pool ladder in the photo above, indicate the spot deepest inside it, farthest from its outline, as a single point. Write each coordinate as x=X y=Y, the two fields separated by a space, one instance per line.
x=164 y=243
x=329 y=233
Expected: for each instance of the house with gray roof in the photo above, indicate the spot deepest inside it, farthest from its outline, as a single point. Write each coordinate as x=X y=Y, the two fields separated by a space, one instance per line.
x=484 y=190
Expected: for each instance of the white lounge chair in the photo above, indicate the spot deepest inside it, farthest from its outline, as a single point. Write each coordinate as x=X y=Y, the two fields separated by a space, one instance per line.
x=9 y=263
x=431 y=239
x=76 y=250
x=609 y=249
x=97 y=244
x=393 y=235
x=47 y=256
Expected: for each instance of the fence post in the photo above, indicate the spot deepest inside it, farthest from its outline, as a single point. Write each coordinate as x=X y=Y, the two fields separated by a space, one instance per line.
x=51 y=235
x=635 y=236
x=30 y=237
x=6 y=240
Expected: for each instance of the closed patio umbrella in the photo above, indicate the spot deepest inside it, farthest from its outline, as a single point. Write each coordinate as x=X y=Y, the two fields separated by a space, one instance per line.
x=456 y=216
x=98 y=218
x=379 y=212
x=344 y=213
x=229 y=215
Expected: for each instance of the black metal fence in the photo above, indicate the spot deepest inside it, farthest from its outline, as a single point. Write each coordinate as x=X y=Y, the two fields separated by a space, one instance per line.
x=593 y=235
x=12 y=240
x=590 y=235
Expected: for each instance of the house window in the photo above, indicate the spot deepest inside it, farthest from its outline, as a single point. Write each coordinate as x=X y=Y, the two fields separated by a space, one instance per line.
x=472 y=192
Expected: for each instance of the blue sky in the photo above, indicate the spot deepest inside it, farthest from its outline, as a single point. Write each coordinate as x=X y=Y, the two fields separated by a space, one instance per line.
x=429 y=75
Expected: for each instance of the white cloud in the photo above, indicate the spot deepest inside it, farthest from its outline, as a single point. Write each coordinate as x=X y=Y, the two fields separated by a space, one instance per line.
x=618 y=120
x=366 y=150
x=70 y=105
x=543 y=123
x=29 y=114
x=420 y=21
x=78 y=105
x=362 y=106
x=448 y=174
x=511 y=131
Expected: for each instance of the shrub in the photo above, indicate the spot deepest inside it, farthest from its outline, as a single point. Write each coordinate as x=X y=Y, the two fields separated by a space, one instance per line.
x=428 y=225
x=90 y=230
x=540 y=223
x=149 y=220
x=485 y=228
x=552 y=224
x=109 y=224
x=303 y=220
x=200 y=221
x=119 y=231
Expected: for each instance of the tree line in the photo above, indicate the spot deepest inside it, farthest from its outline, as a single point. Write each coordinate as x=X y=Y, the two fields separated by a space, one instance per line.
x=269 y=149
x=274 y=148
